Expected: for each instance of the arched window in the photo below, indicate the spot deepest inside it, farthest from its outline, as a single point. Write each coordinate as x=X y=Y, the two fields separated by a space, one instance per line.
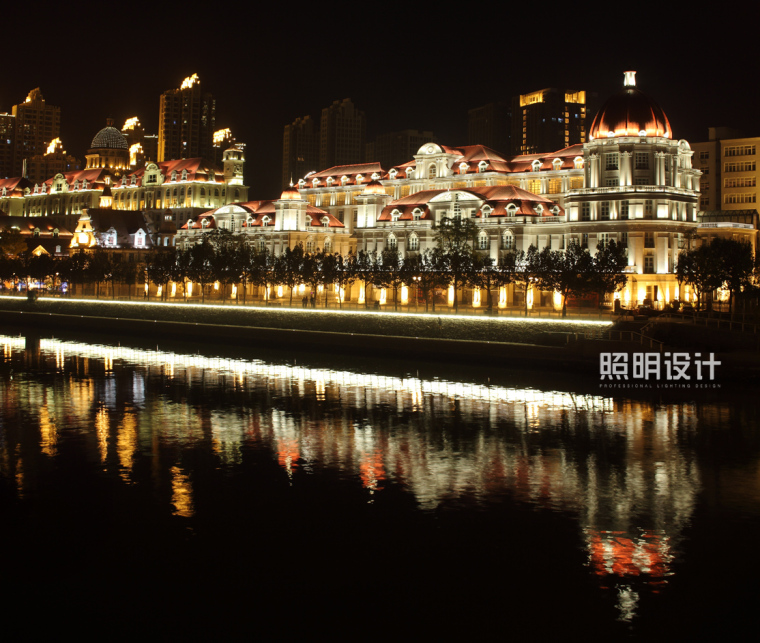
x=265 y=220
x=414 y=242
x=330 y=180
x=343 y=180
x=482 y=166
x=486 y=210
x=308 y=219
x=557 y=164
x=416 y=214
x=375 y=176
x=578 y=163
x=393 y=173
x=483 y=240
x=328 y=245
x=315 y=182
x=204 y=223
x=535 y=166
x=539 y=209
x=508 y=240
x=410 y=173
x=392 y=243
x=432 y=171
x=310 y=244
x=463 y=167
x=395 y=215
x=359 y=179
x=174 y=175
x=325 y=222
x=511 y=210
x=184 y=175
x=36 y=232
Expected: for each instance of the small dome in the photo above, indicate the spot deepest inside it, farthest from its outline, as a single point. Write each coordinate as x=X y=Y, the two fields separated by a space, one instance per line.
x=374 y=187
x=290 y=194
x=630 y=112
x=109 y=138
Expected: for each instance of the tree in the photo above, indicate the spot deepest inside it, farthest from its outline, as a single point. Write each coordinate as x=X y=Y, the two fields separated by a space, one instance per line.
x=160 y=268
x=737 y=263
x=424 y=271
x=389 y=273
x=12 y=242
x=289 y=268
x=454 y=237
x=565 y=272
x=702 y=270
x=366 y=267
x=524 y=267
x=347 y=272
x=201 y=269
x=607 y=269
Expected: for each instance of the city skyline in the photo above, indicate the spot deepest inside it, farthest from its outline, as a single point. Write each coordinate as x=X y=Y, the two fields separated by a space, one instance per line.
x=257 y=94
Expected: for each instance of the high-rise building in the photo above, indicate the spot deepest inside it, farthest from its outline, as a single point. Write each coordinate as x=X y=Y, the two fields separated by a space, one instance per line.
x=396 y=148
x=41 y=167
x=729 y=163
x=490 y=125
x=223 y=140
x=550 y=119
x=186 y=122
x=7 y=138
x=342 y=133
x=37 y=124
x=300 y=149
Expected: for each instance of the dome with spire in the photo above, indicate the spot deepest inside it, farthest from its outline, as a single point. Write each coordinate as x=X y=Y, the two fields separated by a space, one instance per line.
x=630 y=112
x=291 y=194
x=109 y=138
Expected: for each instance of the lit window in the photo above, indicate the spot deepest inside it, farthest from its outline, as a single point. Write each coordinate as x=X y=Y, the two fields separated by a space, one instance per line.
x=483 y=241
x=414 y=242
x=392 y=241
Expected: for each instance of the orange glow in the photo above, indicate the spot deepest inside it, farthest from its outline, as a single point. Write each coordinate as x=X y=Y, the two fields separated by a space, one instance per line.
x=618 y=554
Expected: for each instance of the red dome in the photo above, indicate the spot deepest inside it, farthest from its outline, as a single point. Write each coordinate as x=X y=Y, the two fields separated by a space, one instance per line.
x=290 y=194
x=374 y=187
x=630 y=112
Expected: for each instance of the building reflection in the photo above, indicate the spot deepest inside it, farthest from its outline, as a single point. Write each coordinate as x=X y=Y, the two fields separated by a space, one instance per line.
x=624 y=468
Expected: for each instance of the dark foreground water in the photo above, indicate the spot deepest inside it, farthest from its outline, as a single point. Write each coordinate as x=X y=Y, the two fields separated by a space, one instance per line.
x=175 y=493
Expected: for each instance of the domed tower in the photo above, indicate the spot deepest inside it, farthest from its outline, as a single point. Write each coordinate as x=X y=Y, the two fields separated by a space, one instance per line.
x=371 y=203
x=290 y=210
x=640 y=189
x=109 y=149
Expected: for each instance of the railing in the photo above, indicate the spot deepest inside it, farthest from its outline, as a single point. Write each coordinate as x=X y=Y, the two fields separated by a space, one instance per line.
x=727 y=224
x=631 y=188
x=638 y=338
x=716 y=322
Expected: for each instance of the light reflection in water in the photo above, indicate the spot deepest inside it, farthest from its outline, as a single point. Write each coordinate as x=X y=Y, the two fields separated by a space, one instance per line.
x=519 y=443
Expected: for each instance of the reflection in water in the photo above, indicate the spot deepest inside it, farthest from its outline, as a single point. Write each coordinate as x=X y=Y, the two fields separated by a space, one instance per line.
x=622 y=468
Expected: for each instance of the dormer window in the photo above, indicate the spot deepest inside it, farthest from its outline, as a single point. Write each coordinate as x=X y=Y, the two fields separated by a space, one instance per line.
x=204 y=223
x=301 y=183
x=555 y=210
x=56 y=232
x=463 y=167
x=308 y=219
x=330 y=180
x=344 y=180
x=416 y=214
x=359 y=179
x=535 y=166
x=249 y=222
x=539 y=209
x=511 y=210
x=76 y=185
x=325 y=221
x=393 y=173
x=36 y=232
x=557 y=164
x=174 y=175
x=315 y=182
x=265 y=220
x=84 y=184
x=578 y=163
x=395 y=215
x=134 y=180
x=482 y=166
x=410 y=173
x=375 y=176
x=184 y=175
x=486 y=210
x=140 y=238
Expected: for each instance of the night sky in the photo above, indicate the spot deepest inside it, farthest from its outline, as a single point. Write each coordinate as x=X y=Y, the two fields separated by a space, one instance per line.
x=404 y=67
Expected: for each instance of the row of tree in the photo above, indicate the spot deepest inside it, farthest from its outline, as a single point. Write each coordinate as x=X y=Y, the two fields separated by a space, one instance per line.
x=722 y=263
x=224 y=258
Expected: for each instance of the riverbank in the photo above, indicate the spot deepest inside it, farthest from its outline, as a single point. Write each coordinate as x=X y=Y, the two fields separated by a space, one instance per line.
x=538 y=343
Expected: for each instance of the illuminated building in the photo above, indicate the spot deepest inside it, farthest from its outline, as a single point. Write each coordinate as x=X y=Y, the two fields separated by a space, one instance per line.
x=549 y=119
x=109 y=149
x=7 y=139
x=41 y=235
x=55 y=160
x=186 y=122
x=37 y=123
x=142 y=147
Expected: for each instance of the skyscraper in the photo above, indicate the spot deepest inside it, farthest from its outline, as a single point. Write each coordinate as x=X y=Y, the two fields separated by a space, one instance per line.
x=395 y=148
x=37 y=124
x=300 y=149
x=7 y=138
x=341 y=134
x=490 y=125
x=186 y=122
x=550 y=119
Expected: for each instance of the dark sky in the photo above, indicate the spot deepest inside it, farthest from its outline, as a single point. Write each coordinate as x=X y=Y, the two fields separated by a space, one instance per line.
x=406 y=68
